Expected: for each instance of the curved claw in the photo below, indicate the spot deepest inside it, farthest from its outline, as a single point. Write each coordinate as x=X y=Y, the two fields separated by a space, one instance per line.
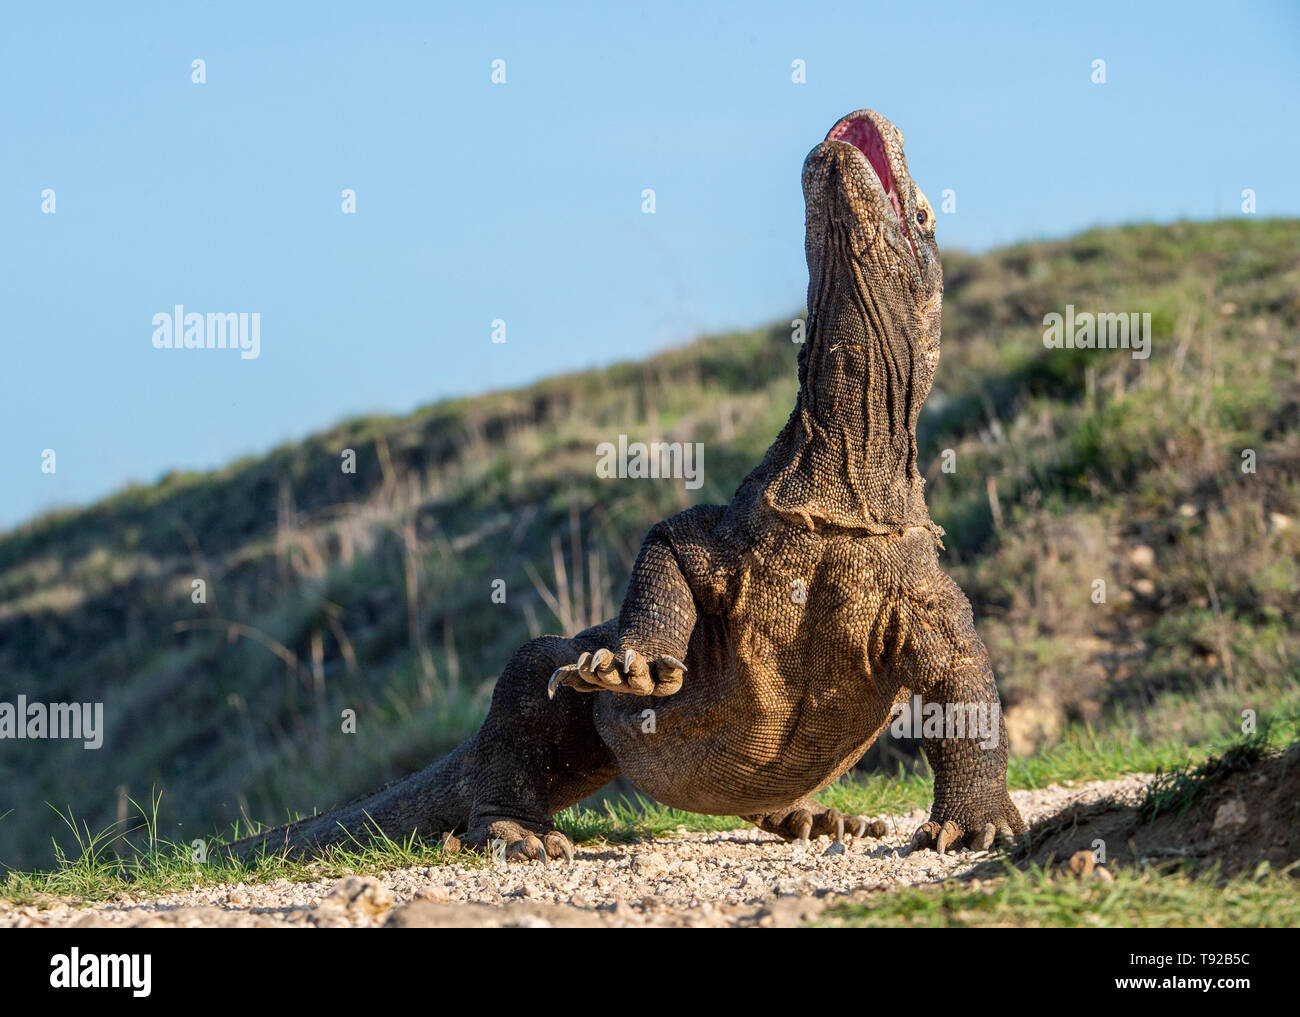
x=953 y=836
x=670 y=673
x=637 y=673
x=983 y=840
x=558 y=845
x=949 y=834
x=600 y=671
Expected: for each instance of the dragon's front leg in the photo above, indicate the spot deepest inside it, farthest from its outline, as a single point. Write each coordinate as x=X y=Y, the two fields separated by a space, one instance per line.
x=658 y=615
x=965 y=737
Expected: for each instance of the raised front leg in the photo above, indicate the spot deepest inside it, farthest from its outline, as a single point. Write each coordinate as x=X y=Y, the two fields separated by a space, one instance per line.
x=658 y=615
x=963 y=733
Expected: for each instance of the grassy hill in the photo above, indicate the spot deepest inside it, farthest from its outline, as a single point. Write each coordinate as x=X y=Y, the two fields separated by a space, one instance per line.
x=373 y=591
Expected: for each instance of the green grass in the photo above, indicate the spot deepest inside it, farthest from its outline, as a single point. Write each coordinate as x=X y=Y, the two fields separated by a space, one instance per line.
x=97 y=872
x=1039 y=898
x=627 y=821
x=1177 y=790
x=1084 y=754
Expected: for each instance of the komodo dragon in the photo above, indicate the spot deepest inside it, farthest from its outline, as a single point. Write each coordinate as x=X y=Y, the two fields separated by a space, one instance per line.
x=772 y=636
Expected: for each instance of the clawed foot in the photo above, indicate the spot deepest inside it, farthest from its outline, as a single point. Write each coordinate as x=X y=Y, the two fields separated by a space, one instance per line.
x=804 y=824
x=521 y=843
x=858 y=826
x=628 y=671
x=977 y=830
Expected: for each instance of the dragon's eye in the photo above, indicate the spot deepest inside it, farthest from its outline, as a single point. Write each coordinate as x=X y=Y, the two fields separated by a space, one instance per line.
x=920 y=216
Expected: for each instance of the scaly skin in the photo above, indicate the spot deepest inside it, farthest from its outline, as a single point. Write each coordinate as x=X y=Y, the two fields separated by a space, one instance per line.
x=770 y=637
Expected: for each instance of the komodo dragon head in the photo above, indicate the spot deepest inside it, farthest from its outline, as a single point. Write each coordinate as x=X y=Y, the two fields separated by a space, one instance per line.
x=875 y=292
x=864 y=204
x=870 y=235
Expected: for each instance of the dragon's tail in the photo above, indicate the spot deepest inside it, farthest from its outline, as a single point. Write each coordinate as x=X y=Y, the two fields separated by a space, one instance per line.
x=431 y=802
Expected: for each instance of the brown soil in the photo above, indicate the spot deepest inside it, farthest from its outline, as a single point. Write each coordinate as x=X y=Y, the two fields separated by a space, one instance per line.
x=1244 y=815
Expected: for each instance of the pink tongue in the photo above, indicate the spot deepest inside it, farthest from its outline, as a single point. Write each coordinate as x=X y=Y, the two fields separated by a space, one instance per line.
x=862 y=135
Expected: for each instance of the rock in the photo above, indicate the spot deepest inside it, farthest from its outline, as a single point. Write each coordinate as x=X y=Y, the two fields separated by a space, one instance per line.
x=1230 y=814
x=1102 y=875
x=836 y=847
x=1030 y=724
x=1144 y=587
x=435 y=894
x=465 y=915
x=650 y=865
x=754 y=883
x=789 y=912
x=787 y=887
x=1081 y=864
x=356 y=898
x=1142 y=556
x=450 y=844
x=688 y=868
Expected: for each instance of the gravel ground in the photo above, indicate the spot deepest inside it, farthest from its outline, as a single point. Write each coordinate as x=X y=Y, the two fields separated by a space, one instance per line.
x=741 y=877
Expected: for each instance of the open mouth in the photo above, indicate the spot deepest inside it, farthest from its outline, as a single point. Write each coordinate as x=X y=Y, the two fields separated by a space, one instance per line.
x=861 y=133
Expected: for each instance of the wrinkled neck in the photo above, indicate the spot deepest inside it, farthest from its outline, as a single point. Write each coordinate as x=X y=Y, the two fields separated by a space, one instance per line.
x=847 y=455
x=857 y=370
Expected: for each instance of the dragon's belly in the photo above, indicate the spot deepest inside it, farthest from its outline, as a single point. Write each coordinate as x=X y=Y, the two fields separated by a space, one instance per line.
x=777 y=702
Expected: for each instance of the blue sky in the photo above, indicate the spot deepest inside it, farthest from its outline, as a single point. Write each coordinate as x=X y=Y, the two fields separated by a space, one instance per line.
x=522 y=201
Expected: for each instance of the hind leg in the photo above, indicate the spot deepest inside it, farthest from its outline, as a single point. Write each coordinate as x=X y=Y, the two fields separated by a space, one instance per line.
x=534 y=755
x=806 y=819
